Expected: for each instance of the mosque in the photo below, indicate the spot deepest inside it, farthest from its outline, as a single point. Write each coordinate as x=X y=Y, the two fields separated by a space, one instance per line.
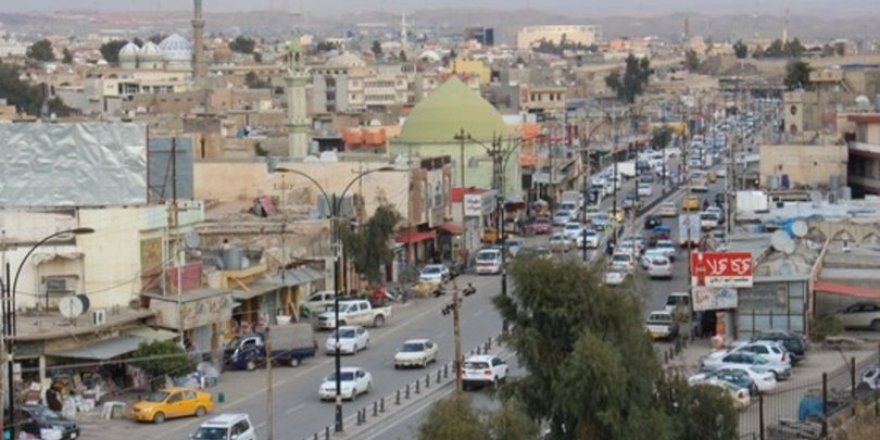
x=174 y=53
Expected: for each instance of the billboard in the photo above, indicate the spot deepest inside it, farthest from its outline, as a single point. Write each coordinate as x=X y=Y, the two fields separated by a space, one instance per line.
x=722 y=269
x=707 y=298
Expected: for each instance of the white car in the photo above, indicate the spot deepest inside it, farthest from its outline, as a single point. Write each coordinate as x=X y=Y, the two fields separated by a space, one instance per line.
x=592 y=238
x=320 y=302
x=645 y=190
x=615 y=276
x=560 y=243
x=675 y=299
x=709 y=220
x=482 y=370
x=572 y=230
x=434 y=273
x=661 y=325
x=352 y=339
x=226 y=427
x=416 y=353
x=623 y=260
x=724 y=359
x=561 y=217
x=660 y=267
x=861 y=315
x=772 y=351
x=668 y=247
x=765 y=381
x=354 y=381
x=650 y=254
x=489 y=261
x=740 y=396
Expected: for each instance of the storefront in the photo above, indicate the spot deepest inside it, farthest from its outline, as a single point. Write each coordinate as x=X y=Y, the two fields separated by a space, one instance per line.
x=205 y=315
x=773 y=303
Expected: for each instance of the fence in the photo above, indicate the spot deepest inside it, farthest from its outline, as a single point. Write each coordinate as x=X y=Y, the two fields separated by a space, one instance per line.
x=806 y=408
x=407 y=394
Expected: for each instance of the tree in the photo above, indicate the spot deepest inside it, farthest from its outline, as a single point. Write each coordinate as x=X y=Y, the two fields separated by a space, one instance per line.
x=368 y=246
x=258 y=57
x=28 y=98
x=326 y=46
x=453 y=418
x=377 y=48
x=632 y=83
x=67 y=57
x=252 y=81
x=110 y=50
x=740 y=49
x=402 y=56
x=794 y=48
x=592 y=372
x=512 y=422
x=692 y=60
x=242 y=44
x=163 y=358
x=661 y=137
x=41 y=51
x=840 y=49
x=797 y=75
x=701 y=412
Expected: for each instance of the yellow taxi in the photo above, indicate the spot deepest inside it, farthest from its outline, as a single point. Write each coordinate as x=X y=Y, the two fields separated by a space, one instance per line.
x=618 y=216
x=691 y=203
x=169 y=403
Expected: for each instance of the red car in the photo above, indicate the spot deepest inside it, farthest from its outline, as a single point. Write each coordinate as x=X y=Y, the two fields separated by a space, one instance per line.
x=541 y=225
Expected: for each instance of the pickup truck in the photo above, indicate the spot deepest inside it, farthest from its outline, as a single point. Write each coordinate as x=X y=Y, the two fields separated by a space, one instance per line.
x=290 y=344
x=354 y=312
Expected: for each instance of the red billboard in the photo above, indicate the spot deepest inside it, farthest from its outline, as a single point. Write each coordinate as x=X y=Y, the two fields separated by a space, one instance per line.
x=722 y=269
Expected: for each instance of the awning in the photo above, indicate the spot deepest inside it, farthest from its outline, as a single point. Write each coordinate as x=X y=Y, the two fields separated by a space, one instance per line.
x=297 y=276
x=153 y=334
x=451 y=228
x=846 y=289
x=111 y=348
x=415 y=237
x=255 y=290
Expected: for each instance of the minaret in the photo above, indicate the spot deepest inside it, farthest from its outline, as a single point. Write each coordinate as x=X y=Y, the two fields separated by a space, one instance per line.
x=198 y=24
x=297 y=116
x=403 y=32
x=785 y=29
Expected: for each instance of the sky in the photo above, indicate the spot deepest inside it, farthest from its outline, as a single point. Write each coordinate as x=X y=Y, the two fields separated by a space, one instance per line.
x=585 y=8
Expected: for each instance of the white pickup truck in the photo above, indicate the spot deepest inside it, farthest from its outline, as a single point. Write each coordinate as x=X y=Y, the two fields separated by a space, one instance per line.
x=354 y=312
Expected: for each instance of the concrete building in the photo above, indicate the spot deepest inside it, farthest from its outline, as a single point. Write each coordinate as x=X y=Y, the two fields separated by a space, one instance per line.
x=529 y=36
x=803 y=166
x=864 y=154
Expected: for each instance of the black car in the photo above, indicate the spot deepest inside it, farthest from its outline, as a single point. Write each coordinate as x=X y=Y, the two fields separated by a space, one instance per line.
x=44 y=418
x=653 y=220
x=720 y=198
x=792 y=342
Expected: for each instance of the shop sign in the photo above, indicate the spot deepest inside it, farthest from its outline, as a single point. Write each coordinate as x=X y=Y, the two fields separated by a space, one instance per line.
x=707 y=298
x=476 y=205
x=722 y=269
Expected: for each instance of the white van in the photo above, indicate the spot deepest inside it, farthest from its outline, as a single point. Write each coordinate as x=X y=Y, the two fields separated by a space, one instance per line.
x=226 y=427
x=489 y=261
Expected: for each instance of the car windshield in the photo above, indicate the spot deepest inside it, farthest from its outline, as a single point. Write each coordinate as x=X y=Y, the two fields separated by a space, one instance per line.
x=44 y=413
x=345 y=376
x=676 y=300
x=344 y=333
x=413 y=347
x=557 y=237
x=476 y=365
x=210 y=434
x=572 y=226
x=658 y=318
x=432 y=269
x=540 y=220
x=234 y=343
x=158 y=396
x=620 y=258
x=487 y=255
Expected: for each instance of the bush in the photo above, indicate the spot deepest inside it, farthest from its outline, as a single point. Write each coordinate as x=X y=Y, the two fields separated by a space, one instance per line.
x=825 y=326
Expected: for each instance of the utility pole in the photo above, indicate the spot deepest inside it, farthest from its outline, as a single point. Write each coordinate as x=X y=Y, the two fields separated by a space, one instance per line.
x=178 y=257
x=270 y=404
x=586 y=197
x=456 y=336
x=616 y=177
x=461 y=137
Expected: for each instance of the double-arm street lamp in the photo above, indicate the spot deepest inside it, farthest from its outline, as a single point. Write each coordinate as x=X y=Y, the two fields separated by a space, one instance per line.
x=335 y=205
x=9 y=321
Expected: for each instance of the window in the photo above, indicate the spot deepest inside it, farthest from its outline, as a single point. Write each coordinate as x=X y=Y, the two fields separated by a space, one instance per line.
x=176 y=397
x=190 y=395
x=793 y=110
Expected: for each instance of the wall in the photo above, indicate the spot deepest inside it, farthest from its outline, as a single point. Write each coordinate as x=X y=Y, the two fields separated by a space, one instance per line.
x=804 y=164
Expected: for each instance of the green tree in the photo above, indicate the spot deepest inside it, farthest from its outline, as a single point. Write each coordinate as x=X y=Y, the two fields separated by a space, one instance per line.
x=26 y=97
x=326 y=46
x=41 y=51
x=163 y=358
x=740 y=49
x=840 y=49
x=258 y=57
x=110 y=50
x=67 y=57
x=794 y=48
x=776 y=49
x=633 y=81
x=592 y=372
x=242 y=44
x=377 y=48
x=702 y=412
x=661 y=137
x=797 y=75
x=252 y=81
x=512 y=422
x=368 y=246
x=692 y=60
x=453 y=418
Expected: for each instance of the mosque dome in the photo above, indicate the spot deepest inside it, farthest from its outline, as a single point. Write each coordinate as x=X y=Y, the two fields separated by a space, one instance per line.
x=446 y=111
x=346 y=59
x=150 y=52
x=129 y=52
x=430 y=56
x=176 y=49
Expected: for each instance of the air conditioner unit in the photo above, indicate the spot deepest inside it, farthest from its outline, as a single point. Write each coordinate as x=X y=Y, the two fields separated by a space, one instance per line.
x=59 y=284
x=99 y=317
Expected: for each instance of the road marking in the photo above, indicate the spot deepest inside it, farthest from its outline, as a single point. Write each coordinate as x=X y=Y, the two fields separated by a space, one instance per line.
x=294 y=409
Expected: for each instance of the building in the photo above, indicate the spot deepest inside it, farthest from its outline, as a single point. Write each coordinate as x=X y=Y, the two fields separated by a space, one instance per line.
x=864 y=154
x=803 y=166
x=174 y=53
x=483 y=35
x=530 y=36
x=297 y=122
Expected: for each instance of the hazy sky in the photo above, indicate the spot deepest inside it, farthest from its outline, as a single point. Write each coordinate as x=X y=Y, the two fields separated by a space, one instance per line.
x=584 y=8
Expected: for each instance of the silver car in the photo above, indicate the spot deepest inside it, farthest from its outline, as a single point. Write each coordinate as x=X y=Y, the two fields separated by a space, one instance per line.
x=726 y=359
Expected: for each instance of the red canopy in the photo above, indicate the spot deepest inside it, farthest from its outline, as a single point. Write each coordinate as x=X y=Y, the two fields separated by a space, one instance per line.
x=451 y=228
x=415 y=237
x=846 y=289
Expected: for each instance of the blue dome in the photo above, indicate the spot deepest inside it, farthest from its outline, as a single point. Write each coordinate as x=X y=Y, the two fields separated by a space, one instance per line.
x=176 y=48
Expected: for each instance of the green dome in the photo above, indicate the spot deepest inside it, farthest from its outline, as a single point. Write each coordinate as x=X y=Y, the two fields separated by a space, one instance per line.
x=447 y=110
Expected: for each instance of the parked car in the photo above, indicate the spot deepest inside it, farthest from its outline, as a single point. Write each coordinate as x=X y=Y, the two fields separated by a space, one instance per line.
x=170 y=403
x=740 y=396
x=764 y=381
x=416 y=353
x=660 y=325
x=354 y=381
x=652 y=220
x=226 y=427
x=861 y=315
x=736 y=377
x=615 y=276
x=724 y=359
x=540 y=226
x=483 y=370
x=659 y=267
x=434 y=273
x=352 y=339
x=489 y=261
x=793 y=342
x=772 y=351
x=355 y=312
x=45 y=418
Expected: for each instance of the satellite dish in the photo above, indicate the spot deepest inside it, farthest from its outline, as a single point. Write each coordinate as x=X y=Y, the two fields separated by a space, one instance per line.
x=781 y=242
x=799 y=228
x=71 y=307
x=87 y=303
x=192 y=240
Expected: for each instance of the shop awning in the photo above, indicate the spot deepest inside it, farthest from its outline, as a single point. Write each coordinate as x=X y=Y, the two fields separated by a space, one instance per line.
x=846 y=289
x=153 y=334
x=296 y=276
x=451 y=228
x=104 y=350
x=255 y=290
x=415 y=237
